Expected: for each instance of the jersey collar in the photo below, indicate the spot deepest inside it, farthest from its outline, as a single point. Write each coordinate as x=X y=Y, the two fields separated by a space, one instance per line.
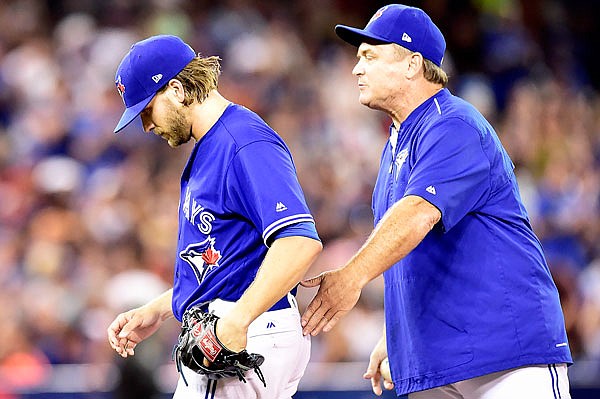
x=418 y=112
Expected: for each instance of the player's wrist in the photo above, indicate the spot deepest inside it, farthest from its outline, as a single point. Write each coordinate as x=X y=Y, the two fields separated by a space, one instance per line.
x=167 y=314
x=160 y=309
x=355 y=275
x=239 y=318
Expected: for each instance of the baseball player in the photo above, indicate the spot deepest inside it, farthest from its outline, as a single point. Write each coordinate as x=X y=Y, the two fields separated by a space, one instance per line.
x=246 y=236
x=471 y=310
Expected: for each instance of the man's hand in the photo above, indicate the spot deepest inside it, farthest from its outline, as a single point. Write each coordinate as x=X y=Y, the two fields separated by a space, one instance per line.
x=337 y=295
x=132 y=327
x=373 y=372
x=231 y=333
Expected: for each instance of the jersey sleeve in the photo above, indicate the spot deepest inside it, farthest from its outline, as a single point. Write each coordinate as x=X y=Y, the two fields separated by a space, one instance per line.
x=303 y=229
x=263 y=186
x=450 y=170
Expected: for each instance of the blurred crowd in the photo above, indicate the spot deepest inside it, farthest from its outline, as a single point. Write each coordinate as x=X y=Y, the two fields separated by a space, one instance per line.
x=88 y=218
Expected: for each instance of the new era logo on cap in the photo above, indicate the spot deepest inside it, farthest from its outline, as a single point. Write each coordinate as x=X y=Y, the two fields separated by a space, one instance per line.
x=146 y=68
x=406 y=38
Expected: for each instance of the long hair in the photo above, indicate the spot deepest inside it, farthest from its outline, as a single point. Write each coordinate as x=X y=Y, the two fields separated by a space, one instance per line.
x=434 y=73
x=199 y=78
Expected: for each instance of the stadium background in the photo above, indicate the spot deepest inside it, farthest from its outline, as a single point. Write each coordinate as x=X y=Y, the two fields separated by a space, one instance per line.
x=88 y=219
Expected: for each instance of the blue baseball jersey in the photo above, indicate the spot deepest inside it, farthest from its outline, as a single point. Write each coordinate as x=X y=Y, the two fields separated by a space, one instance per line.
x=476 y=295
x=239 y=190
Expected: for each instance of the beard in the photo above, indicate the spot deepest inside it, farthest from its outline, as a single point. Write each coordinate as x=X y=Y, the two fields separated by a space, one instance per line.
x=178 y=131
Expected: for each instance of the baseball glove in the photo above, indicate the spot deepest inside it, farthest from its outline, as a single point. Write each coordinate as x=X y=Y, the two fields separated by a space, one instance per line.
x=200 y=350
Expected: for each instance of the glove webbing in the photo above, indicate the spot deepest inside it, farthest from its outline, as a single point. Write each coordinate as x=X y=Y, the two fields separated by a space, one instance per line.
x=177 y=358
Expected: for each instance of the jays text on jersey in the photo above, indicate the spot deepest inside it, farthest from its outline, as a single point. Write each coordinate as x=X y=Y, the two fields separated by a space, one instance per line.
x=239 y=189
x=476 y=295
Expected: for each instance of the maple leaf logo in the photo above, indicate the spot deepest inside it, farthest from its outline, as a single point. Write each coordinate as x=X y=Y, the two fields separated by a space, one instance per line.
x=211 y=257
x=202 y=257
x=120 y=88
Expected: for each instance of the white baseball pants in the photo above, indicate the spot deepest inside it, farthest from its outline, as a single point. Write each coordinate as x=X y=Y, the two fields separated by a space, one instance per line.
x=277 y=335
x=548 y=381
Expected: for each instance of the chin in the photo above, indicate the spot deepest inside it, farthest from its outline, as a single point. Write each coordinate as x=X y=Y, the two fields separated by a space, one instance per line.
x=176 y=142
x=365 y=101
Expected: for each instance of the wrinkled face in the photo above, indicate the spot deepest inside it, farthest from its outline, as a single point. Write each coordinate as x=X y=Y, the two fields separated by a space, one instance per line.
x=162 y=117
x=381 y=73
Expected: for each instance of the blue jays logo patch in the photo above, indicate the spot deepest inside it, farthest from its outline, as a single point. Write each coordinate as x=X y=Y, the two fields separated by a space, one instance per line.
x=377 y=14
x=400 y=158
x=202 y=257
x=120 y=87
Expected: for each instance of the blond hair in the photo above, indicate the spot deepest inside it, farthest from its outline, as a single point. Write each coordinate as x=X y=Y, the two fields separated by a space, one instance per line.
x=199 y=78
x=431 y=71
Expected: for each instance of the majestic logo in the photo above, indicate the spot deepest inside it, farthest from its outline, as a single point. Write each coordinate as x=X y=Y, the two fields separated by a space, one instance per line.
x=279 y=207
x=120 y=88
x=406 y=38
x=202 y=257
x=156 y=78
x=431 y=190
x=378 y=14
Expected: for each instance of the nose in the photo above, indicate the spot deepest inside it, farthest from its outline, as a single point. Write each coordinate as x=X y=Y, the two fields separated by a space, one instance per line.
x=358 y=69
x=147 y=124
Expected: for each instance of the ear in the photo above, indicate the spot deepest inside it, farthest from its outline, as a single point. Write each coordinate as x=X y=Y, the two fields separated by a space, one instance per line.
x=415 y=65
x=176 y=88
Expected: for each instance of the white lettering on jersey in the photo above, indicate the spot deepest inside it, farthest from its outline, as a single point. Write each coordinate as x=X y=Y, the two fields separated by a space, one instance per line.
x=205 y=224
x=198 y=216
x=196 y=209
x=186 y=204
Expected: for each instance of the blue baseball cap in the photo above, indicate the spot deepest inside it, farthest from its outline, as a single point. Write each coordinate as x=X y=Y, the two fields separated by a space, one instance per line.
x=145 y=69
x=409 y=27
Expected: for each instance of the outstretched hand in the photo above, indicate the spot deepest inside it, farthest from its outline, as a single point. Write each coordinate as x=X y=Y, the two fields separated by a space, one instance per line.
x=337 y=295
x=132 y=327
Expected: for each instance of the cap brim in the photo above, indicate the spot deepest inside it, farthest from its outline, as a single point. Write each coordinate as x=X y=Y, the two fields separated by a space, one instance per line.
x=356 y=36
x=132 y=112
